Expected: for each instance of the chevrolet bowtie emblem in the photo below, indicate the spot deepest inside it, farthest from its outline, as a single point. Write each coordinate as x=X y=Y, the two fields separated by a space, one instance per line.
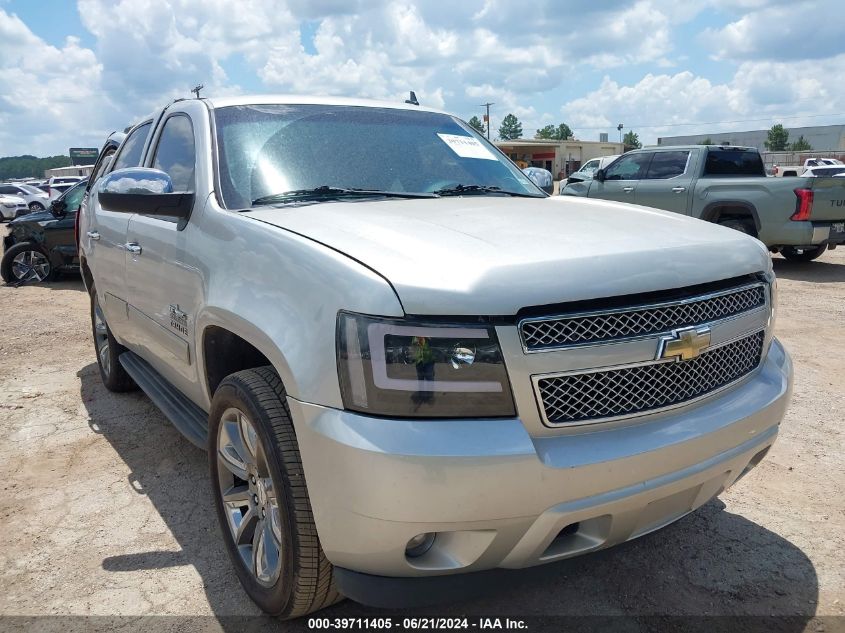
x=684 y=344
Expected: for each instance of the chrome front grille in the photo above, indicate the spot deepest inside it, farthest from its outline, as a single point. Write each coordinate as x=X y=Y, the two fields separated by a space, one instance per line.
x=586 y=397
x=548 y=333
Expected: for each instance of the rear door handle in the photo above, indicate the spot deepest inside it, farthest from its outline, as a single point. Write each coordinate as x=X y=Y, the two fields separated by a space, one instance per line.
x=94 y=235
x=133 y=247
x=627 y=189
x=679 y=189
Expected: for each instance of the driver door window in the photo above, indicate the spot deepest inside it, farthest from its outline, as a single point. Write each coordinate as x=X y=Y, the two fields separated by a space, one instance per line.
x=631 y=167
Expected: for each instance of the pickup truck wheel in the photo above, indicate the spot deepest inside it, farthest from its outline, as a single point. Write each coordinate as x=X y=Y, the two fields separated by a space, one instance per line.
x=113 y=374
x=738 y=224
x=25 y=262
x=803 y=255
x=261 y=497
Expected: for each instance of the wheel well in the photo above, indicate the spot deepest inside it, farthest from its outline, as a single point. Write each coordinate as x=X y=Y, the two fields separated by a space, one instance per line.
x=225 y=353
x=720 y=212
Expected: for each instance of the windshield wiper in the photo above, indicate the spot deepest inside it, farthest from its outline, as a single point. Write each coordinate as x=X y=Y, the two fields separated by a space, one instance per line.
x=330 y=193
x=459 y=190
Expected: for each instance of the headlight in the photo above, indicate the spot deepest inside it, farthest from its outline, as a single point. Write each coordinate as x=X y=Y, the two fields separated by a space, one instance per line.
x=427 y=370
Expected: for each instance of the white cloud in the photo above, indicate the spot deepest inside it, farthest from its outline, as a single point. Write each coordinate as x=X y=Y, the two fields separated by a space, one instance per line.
x=48 y=92
x=455 y=55
x=767 y=90
x=813 y=30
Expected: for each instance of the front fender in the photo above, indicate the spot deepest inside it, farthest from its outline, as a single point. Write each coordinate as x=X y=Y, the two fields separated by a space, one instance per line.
x=281 y=292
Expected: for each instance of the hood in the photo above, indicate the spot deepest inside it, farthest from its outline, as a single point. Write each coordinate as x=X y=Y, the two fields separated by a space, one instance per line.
x=35 y=216
x=491 y=256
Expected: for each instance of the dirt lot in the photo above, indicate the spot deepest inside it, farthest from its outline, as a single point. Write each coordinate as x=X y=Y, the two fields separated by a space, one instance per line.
x=105 y=508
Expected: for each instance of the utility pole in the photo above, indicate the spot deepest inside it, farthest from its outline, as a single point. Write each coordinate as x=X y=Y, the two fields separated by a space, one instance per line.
x=619 y=127
x=487 y=117
x=196 y=90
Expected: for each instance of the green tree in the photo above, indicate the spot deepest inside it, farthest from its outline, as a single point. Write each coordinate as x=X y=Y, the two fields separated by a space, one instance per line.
x=476 y=123
x=801 y=145
x=707 y=141
x=510 y=128
x=631 y=140
x=561 y=132
x=778 y=138
x=28 y=166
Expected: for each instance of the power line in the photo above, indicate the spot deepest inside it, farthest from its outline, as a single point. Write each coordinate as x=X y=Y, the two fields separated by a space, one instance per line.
x=771 y=118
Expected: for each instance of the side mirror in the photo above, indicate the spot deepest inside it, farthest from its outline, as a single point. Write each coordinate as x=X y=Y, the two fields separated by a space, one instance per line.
x=599 y=175
x=58 y=208
x=143 y=190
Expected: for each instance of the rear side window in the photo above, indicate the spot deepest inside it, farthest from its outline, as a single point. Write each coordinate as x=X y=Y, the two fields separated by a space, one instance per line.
x=667 y=165
x=629 y=167
x=9 y=191
x=175 y=154
x=103 y=163
x=130 y=153
x=734 y=162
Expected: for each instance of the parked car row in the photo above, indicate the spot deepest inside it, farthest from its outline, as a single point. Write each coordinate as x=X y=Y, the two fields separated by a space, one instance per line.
x=35 y=198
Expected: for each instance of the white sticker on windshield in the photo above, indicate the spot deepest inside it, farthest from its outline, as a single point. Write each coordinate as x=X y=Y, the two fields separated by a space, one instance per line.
x=466 y=146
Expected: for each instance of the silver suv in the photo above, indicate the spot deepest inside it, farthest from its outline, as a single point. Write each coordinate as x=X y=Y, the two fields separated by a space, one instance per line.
x=407 y=363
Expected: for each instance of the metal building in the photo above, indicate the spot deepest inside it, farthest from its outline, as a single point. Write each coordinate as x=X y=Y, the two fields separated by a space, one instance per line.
x=820 y=138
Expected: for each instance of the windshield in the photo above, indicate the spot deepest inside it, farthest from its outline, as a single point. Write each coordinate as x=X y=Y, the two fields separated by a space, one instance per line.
x=266 y=150
x=30 y=189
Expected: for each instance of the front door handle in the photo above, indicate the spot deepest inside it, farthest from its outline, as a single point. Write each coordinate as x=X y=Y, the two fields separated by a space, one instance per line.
x=133 y=247
x=627 y=189
x=678 y=189
x=94 y=235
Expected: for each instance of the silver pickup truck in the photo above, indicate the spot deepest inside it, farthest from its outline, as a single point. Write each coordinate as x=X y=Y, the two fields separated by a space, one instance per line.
x=799 y=217
x=411 y=368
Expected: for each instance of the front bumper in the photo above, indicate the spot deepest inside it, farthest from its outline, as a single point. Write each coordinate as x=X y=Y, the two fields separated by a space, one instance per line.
x=499 y=498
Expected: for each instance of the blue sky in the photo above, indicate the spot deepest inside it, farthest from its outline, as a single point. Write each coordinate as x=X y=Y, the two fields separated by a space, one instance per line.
x=74 y=71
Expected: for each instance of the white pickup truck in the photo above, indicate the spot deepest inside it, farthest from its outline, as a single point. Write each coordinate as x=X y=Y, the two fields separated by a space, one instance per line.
x=411 y=368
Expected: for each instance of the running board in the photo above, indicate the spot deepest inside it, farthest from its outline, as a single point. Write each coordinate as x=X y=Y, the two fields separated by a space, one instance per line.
x=188 y=418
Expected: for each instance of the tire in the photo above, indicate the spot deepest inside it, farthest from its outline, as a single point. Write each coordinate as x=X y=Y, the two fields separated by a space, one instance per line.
x=254 y=460
x=807 y=255
x=36 y=206
x=32 y=264
x=739 y=224
x=108 y=350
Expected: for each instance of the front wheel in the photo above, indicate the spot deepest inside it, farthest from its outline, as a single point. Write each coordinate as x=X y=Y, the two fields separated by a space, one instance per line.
x=36 y=206
x=261 y=497
x=25 y=262
x=803 y=255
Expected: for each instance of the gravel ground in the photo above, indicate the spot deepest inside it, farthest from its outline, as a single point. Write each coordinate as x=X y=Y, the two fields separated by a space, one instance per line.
x=105 y=507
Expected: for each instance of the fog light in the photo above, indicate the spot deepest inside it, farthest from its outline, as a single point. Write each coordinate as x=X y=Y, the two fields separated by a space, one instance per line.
x=420 y=544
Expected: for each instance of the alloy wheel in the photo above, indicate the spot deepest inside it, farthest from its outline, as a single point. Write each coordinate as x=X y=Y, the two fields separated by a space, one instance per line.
x=31 y=266
x=249 y=497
